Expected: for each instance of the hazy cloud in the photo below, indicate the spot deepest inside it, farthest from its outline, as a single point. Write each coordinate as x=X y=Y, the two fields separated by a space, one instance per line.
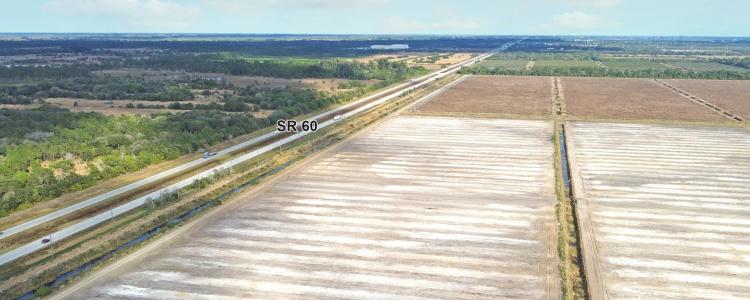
x=248 y=7
x=576 y=20
x=402 y=25
x=147 y=14
x=594 y=2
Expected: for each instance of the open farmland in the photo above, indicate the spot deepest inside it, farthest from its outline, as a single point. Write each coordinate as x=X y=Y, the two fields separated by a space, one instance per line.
x=503 y=95
x=565 y=64
x=634 y=65
x=699 y=66
x=439 y=60
x=618 y=98
x=510 y=64
x=732 y=95
x=664 y=211
x=414 y=209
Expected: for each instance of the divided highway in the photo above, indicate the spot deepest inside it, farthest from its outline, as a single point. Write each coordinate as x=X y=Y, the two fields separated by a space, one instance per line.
x=345 y=111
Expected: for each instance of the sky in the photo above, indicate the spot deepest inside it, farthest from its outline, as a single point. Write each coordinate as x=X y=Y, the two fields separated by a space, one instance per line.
x=475 y=17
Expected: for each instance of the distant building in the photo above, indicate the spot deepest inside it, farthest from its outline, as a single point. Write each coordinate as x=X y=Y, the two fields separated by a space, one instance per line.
x=390 y=47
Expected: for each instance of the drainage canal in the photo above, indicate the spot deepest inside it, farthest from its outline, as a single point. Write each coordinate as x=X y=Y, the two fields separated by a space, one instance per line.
x=564 y=161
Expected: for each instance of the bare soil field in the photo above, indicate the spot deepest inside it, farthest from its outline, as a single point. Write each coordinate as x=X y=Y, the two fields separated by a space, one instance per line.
x=663 y=211
x=504 y=95
x=412 y=209
x=732 y=95
x=515 y=64
x=625 y=98
x=453 y=58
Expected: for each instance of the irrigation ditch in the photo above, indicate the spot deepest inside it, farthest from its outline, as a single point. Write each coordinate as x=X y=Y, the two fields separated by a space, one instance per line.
x=569 y=250
x=571 y=259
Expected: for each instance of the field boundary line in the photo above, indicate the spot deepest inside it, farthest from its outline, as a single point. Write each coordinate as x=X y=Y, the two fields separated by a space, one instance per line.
x=701 y=101
x=594 y=280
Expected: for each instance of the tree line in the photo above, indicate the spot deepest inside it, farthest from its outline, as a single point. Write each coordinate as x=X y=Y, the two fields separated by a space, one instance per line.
x=100 y=88
x=601 y=72
x=215 y=63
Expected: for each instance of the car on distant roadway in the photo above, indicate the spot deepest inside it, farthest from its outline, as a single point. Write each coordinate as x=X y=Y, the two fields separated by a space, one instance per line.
x=336 y=118
x=46 y=240
x=207 y=154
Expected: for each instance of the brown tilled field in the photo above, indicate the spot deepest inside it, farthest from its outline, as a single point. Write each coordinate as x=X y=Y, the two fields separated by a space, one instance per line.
x=731 y=95
x=621 y=98
x=505 y=95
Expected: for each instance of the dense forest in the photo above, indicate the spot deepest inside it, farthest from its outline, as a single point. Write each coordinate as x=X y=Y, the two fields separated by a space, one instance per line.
x=582 y=64
x=742 y=63
x=47 y=151
x=44 y=72
x=215 y=63
x=76 y=81
x=102 y=88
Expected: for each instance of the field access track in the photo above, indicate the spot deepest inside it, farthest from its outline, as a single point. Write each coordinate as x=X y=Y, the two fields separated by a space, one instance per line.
x=415 y=208
x=664 y=211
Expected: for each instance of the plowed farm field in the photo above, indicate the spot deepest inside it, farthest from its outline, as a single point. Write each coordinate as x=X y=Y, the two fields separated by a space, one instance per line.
x=413 y=209
x=732 y=95
x=663 y=211
x=503 y=95
x=620 y=98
